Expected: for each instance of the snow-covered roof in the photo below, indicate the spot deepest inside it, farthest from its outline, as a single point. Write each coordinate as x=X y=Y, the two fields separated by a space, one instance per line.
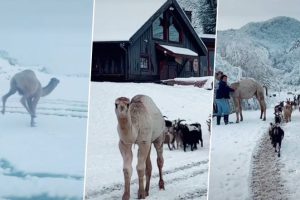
x=179 y=50
x=118 y=20
x=212 y=36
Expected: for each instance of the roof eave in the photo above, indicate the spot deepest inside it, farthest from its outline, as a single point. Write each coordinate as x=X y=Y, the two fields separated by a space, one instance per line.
x=110 y=41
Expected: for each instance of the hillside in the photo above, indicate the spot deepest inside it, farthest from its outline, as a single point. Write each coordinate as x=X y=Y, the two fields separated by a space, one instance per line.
x=268 y=51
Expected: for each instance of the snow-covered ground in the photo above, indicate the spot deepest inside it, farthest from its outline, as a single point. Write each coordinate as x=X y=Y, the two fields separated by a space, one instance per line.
x=242 y=152
x=46 y=161
x=185 y=173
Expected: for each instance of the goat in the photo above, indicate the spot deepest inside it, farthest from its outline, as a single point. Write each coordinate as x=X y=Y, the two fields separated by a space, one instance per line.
x=197 y=132
x=279 y=107
x=278 y=117
x=276 y=134
x=170 y=136
x=189 y=137
x=287 y=111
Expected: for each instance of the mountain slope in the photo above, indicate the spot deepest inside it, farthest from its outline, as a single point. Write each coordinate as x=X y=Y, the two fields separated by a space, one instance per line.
x=268 y=51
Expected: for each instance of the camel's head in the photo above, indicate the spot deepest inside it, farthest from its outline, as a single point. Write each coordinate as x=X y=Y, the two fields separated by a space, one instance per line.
x=122 y=106
x=54 y=82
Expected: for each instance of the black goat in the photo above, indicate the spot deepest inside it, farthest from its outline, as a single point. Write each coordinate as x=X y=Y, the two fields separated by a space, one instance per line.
x=279 y=107
x=198 y=133
x=168 y=123
x=189 y=137
x=278 y=118
x=276 y=135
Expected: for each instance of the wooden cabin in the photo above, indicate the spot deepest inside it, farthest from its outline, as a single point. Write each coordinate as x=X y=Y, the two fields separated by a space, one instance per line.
x=144 y=41
x=207 y=62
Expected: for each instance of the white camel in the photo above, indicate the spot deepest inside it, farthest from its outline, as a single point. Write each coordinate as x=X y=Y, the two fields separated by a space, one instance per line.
x=27 y=84
x=246 y=89
x=140 y=122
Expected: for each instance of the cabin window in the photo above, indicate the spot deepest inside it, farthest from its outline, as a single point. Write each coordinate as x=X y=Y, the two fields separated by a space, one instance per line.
x=144 y=62
x=157 y=26
x=174 y=35
x=166 y=27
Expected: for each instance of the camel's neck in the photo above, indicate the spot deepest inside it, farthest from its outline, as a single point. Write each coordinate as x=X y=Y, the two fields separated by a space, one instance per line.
x=124 y=123
x=48 y=89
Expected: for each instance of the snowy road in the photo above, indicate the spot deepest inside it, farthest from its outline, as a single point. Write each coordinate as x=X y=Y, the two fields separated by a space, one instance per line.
x=266 y=181
x=242 y=157
x=179 y=177
x=54 y=107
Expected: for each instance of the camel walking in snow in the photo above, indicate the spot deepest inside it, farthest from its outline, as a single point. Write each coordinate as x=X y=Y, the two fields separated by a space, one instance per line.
x=27 y=84
x=246 y=89
x=140 y=122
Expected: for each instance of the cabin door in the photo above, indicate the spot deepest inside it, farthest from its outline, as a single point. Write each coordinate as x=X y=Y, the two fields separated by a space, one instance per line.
x=168 y=70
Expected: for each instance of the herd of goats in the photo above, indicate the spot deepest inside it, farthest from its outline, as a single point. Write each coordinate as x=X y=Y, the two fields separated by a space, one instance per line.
x=183 y=134
x=282 y=113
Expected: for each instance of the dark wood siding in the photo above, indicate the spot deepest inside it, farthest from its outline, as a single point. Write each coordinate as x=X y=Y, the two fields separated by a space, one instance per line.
x=108 y=62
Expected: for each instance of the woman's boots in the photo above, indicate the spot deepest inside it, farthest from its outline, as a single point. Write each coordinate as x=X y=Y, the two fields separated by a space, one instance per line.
x=226 y=119
x=218 y=120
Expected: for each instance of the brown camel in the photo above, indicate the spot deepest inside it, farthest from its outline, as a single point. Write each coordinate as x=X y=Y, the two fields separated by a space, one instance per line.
x=27 y=84
x=140 y=122
x=246 y=89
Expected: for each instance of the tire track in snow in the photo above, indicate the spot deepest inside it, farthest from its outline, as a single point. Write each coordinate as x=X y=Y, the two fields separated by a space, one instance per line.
x=9 y=170
x=181 y=177
x=195 y=194
x=266 y=182
x=57 y=107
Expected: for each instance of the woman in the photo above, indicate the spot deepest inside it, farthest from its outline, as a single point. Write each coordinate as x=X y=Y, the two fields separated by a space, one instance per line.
x=222 y=100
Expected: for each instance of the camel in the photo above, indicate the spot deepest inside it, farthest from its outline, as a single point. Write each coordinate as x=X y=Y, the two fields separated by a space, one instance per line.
x=246 y=89
x=140 y=122
x=27 y=84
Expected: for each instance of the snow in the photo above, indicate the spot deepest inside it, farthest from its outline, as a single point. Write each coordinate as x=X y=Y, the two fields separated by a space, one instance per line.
x=234 y=148
x=118 y=20
x=46 y=161
x=179 y=50
x=185 y=173
x=290 y=157
x=208 y=79
x=266 y=51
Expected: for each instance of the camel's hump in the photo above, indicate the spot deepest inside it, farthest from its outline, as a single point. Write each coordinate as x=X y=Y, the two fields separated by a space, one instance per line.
x=26 y=81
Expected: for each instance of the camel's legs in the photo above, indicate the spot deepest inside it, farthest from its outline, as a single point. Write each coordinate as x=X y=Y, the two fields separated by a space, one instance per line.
x=237 y=110
x=143 y=152
x=263 y=106
x=24 y=103
x=34 y=102
x=126 y=153
x=240 y=109
x=158 y=144
x=11 y=91
x=30 y=108
x=148 y=172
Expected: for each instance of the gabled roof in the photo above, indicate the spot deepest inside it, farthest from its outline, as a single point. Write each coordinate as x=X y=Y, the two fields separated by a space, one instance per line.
x=120 y=20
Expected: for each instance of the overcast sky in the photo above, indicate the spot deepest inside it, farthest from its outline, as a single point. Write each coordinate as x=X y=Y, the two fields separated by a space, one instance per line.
x=236 y=13
x=52 y=33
